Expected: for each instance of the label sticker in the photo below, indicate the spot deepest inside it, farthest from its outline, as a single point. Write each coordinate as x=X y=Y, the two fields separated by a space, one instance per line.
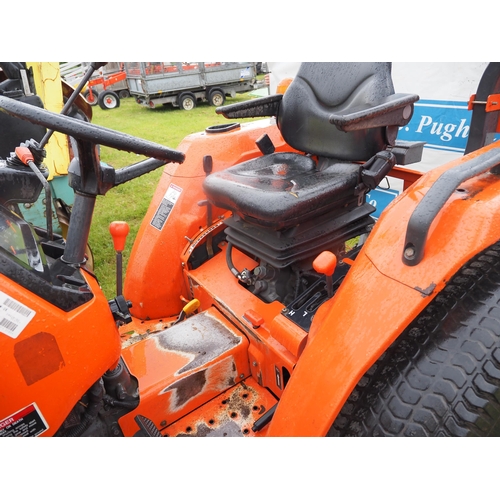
x=166 y=206
x=28 y=422
x=245 y=73
x=14 y=316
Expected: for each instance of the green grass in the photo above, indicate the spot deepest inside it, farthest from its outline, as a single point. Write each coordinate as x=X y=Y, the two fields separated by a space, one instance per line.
x=130 y=201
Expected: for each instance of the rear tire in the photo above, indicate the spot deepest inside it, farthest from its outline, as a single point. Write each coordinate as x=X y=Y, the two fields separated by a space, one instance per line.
x=187 y=101
x=217 y=98
x=441 y=377
x=108 y=100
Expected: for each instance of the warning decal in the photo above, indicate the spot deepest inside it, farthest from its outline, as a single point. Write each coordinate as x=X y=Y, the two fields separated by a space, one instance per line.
x=28 y=422
x=14 y=316
x=166 y=206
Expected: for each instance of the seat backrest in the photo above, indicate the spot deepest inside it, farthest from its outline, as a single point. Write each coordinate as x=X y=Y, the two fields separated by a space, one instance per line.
x=13 y=130
x=320 y=89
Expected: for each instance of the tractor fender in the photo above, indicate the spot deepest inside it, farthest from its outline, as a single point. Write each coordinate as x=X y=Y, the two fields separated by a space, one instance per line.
x=381 y=295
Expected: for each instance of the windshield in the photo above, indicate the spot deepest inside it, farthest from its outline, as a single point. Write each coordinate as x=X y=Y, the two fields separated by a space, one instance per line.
x=18 y=240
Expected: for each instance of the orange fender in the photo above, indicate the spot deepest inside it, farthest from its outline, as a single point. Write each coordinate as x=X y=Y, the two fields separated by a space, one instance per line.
x=381 y=295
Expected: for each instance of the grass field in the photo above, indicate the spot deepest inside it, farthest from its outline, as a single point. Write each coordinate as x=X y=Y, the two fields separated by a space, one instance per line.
x=130 y=201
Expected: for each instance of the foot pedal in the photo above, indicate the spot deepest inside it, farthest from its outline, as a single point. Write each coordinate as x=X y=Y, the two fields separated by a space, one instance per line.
x=147 y=428
x=265 y=419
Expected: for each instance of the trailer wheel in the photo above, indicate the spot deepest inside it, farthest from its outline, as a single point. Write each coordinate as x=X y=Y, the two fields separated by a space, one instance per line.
x=217 y=98
x=441 y=377
x=92 y=100
x=187 y=101
x=123 y=94
x=108 y=100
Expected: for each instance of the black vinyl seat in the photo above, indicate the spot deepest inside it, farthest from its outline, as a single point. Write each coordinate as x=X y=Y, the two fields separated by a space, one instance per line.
x=283 y=189
x=340 y=115
x=14 y=130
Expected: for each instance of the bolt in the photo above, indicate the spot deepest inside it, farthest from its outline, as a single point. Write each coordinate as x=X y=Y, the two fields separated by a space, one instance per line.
x=241 y=375
x=255 y=363
x=163 y=423
x=115 y=431
x=410 y=252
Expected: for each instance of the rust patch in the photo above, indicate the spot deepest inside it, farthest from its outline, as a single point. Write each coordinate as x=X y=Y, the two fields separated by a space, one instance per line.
x=38 y=357
x=218 y=377
x=228 y=429
x=188 y=387
x=427 y=291
x=230 y=414
x=201 y=339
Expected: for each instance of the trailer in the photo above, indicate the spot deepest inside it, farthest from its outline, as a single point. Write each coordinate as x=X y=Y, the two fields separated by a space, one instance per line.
x=111 y=77
x=185 y=84
x=106 y=87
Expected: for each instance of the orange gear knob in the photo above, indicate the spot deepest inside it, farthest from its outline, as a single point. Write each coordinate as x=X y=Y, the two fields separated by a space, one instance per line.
x=119 y=231
x=325 y=263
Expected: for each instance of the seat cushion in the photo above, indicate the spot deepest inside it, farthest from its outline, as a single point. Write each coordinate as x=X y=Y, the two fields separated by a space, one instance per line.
x=283 y=189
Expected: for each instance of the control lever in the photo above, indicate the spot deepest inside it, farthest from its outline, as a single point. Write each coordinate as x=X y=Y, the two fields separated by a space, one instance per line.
x=325 y=263
x=119 y=306
x=188 y=309
x=26 y=156
x=119 y=231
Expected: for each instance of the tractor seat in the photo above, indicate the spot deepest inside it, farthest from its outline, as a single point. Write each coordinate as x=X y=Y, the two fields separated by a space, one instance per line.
x=343 y=115
x=14 y=130
x=283 y=189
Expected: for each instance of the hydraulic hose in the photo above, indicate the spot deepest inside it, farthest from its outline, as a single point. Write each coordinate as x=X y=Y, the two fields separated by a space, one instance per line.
x=229 y=261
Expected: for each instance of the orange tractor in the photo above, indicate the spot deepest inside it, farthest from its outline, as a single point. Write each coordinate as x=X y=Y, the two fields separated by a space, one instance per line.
x=261 y=297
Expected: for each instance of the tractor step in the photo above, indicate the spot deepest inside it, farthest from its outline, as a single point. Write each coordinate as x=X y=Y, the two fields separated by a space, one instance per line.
x=232 y=414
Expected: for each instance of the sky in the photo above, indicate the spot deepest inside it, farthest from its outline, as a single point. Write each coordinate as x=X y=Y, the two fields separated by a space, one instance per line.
x=316 y=31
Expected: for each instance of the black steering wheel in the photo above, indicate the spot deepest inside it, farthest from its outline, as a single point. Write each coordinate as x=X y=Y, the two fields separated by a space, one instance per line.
x=88 y=132
x=90 y=178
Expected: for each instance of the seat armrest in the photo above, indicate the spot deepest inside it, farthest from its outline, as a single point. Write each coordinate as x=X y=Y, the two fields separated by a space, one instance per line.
x=262 y=106
x=394 y=110
x=407 y=152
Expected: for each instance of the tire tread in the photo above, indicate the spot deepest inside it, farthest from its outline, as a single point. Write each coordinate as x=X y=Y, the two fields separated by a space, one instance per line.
x=441 y=377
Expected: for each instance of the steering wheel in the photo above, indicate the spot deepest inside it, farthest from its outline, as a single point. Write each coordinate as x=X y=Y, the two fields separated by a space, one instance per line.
x=88 y=132
x=93 y=178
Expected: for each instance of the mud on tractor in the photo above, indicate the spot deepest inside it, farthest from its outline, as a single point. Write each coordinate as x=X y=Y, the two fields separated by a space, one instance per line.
x=261 y=297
